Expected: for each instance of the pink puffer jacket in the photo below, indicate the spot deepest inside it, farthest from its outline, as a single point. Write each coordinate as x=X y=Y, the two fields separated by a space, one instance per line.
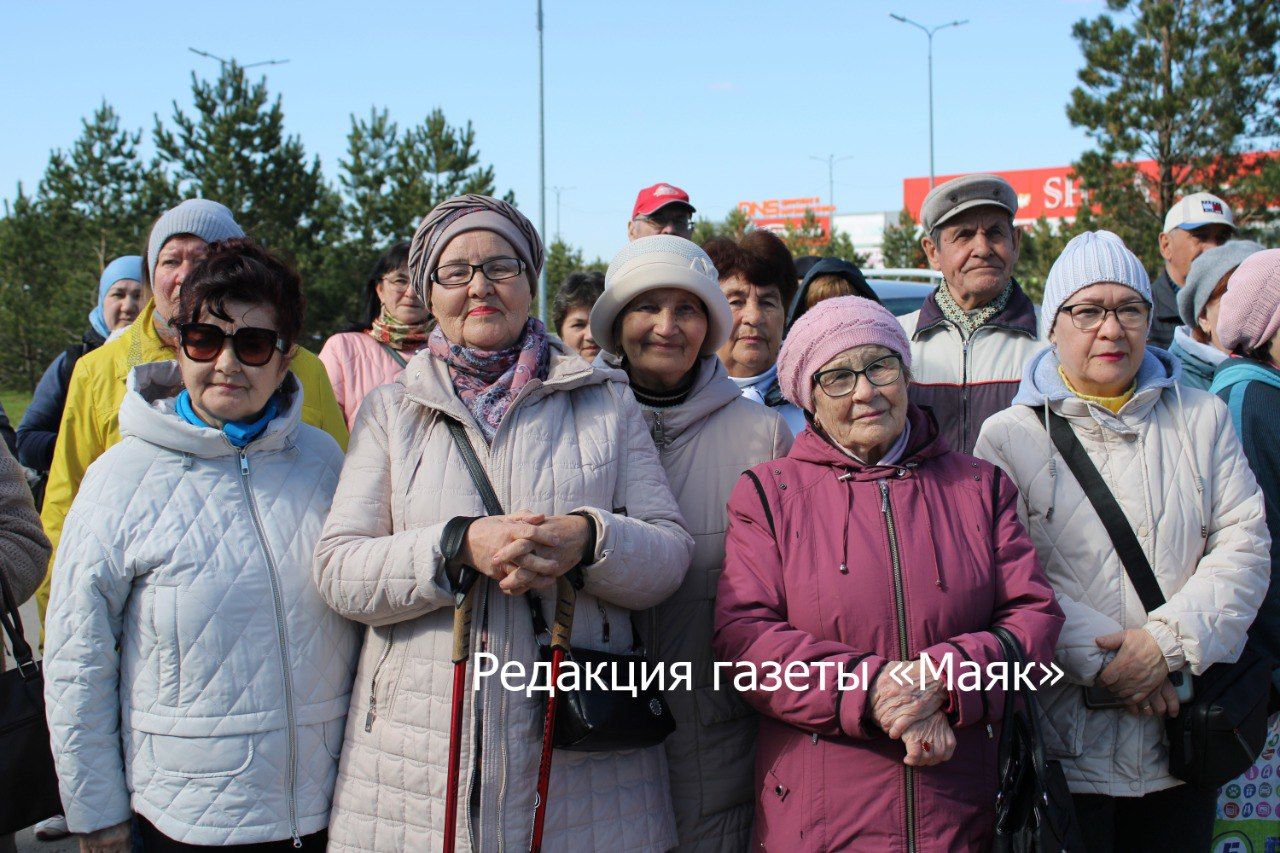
x=357 y=364
x=936 y=556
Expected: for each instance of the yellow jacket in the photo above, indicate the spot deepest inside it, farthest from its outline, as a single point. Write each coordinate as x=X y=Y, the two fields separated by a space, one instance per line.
x=90 y=420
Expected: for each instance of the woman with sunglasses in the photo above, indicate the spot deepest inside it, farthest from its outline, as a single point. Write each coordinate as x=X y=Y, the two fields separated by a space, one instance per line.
x=1171 y=460
x=196 y=683
x=581 y=487
x=870 y=546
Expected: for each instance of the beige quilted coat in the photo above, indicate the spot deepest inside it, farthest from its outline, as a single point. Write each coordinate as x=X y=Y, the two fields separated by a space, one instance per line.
x=575 y=441
x=705 y=444
x=1174 y=463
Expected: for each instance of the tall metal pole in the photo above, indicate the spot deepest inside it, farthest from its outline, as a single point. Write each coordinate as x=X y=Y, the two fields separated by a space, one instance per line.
x=831 y=161
x=542 y=173
x=557 y=191
x=929 y=31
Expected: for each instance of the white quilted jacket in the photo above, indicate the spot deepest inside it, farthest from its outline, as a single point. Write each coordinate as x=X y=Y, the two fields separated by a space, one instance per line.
x=219 y=716
x=1172 y=459
x=575 y=441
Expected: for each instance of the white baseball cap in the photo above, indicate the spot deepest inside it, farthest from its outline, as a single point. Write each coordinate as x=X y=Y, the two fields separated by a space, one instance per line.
x=1196 y=211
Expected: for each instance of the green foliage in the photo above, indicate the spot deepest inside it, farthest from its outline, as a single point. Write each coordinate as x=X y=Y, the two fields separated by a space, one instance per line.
x=1190 y=84
x=563 y=259
x=806 y=238
x=1041 y=245
x=733 y=226
x=98 y=199
x=900 y=244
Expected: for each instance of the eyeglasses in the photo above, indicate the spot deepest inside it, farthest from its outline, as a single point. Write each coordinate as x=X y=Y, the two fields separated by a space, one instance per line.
x=494 y=269
x=839 y=381
x=681 y=222
x=398 y=282
x=253 y=347
x=1086 y=316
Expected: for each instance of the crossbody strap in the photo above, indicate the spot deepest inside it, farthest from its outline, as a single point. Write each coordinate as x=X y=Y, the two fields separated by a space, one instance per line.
x=1136 y=565
x=395 y=354
x=11 y=620
x=478 y=476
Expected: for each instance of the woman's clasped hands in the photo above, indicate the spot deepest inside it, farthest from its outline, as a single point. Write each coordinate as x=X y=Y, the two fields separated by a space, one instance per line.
x=525 y=550
x=909 y=708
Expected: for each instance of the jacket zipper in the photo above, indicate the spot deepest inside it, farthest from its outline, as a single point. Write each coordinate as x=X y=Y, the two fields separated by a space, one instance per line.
x=373 y=682
x=900 y=607
x=964 y=389
x=284 y=647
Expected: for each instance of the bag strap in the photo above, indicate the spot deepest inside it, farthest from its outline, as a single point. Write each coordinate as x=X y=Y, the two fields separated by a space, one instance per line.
x=1136 y=565
x=478 y=476
x=395 y=354
x=1014 y=655
x=764 y=501
x=11 y=620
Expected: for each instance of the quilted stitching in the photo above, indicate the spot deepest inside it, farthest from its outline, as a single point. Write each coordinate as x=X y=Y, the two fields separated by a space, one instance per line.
x=177 y=576
x=1212 y=588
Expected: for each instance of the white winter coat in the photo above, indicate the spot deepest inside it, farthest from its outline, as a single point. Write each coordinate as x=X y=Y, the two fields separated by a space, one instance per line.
x=575 y=441
x=1172 y=459
x=219 y=716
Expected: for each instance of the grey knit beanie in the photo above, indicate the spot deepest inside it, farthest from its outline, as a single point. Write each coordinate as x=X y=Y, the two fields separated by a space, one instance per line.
x=1090 y=258
x=1205 y=273
x=199 y=217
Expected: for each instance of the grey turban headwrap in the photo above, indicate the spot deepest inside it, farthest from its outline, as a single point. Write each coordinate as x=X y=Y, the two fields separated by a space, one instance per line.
x=471 y=212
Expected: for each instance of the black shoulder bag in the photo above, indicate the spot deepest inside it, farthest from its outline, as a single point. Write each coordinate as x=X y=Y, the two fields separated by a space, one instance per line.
x=1034 y=811
x=1220 y=732
x=588 y=719
x=28 y=781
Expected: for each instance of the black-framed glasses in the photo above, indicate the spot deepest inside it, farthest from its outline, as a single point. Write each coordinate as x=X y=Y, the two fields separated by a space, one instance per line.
x=1086 y=316
x=839 y=381
x=682 y=222
x=252 y=346
x=494 y=269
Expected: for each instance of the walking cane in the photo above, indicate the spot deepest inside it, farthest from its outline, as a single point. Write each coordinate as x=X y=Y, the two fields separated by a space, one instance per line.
x=561 y=633
x=461 y=652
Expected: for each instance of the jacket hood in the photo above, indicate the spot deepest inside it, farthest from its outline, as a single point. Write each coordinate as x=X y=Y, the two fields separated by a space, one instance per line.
x=712 y=390
x=1233 y=371
x=926 y=442
x=426 y=379
x=1041 y=382
x=148 y=412
x=829 y=266
x=1187 y=348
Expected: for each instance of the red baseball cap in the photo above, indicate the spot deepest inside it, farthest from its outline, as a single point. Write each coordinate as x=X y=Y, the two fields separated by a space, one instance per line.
x=652 y=199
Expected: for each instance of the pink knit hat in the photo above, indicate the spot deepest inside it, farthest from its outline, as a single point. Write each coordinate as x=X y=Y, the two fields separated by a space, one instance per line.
x=828 y=329
x=1249 y=315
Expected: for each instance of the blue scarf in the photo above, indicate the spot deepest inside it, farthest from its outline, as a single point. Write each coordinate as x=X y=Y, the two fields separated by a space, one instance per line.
x=239 y=433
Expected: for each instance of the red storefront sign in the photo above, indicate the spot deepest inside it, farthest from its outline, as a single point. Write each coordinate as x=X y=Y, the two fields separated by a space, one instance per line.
x=776 y=214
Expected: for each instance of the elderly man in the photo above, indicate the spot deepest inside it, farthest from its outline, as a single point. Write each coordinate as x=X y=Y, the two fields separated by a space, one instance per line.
x=972 y=335
x=1195 y=223
x=661 y=209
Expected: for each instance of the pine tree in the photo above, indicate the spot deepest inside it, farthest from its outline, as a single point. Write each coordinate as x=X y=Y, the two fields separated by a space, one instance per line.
x=900 y=244
x=1186 y=83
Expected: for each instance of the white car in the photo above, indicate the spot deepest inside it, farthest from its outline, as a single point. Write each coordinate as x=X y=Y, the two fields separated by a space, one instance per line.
x=903 y=290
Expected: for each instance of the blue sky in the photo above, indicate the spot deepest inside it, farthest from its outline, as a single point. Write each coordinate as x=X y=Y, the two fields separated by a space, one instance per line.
x=726 y=99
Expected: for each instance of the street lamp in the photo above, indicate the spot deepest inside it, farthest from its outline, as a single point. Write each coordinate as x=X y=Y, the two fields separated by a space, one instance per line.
x=831 y=161
x=929 y=31
x=225 y=62
x=557 y=191
x=542 y=174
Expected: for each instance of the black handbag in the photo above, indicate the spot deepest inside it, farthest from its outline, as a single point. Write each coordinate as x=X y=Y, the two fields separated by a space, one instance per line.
x=1034 y=811
x=1220 y=732
x=588 y=719
x=28 y=781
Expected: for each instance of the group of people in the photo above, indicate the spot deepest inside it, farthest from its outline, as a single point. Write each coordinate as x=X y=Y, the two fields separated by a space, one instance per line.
x=258 y=552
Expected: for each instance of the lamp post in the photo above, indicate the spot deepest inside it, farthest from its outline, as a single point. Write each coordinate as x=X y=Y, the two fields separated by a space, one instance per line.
x=557 y=191
x=831 y=161
x=542 y=174
x=929 y=31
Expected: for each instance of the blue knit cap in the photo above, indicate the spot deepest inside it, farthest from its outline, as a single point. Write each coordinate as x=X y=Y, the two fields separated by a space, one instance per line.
x=199 y=217
x=126 y=266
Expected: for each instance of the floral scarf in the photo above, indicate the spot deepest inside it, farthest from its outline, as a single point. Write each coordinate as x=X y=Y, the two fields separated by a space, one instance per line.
x=402 y=336
x=488 y=381
x=968 y=322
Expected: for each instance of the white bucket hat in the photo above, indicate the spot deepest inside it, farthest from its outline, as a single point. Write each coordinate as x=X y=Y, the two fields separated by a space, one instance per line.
x=655 y=262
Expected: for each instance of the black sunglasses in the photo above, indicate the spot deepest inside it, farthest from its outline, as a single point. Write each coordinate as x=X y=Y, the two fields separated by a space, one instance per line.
x=252 y=346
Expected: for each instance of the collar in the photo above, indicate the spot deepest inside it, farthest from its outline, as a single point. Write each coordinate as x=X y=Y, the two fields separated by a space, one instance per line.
x=1019 y=314
x=1206 y=353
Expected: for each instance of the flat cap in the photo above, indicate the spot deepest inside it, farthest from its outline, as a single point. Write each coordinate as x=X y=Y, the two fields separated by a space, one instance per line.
x=960 y=194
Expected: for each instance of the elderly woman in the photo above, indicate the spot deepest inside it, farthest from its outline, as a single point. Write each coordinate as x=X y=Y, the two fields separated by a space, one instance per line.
x=194 y=677
x=867 y=547
x=571 y=312
x=1196 y=343
x=121 y=295
x=1172 y=461
x=395 y=326
x=662 y=317
x=571 y=461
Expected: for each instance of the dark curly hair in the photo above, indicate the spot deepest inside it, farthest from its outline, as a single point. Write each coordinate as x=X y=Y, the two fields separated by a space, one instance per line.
x=580 y=289
x=240 y=270
x=760 y=257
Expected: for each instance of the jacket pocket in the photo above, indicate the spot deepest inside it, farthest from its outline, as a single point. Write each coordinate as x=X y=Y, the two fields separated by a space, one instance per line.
x=164 y=620
x=1062 y=719
x=201 y=757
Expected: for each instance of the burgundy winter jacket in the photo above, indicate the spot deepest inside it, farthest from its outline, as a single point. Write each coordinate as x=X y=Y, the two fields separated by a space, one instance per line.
x=827 y=778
